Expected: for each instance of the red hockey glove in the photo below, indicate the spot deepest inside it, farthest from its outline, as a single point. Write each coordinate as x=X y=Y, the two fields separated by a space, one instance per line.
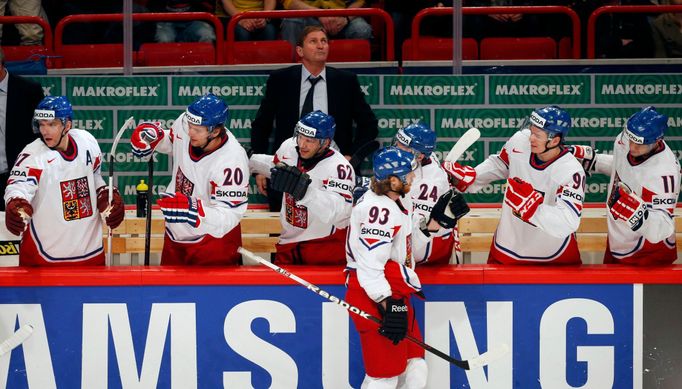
x=179 y=208
x=462 y=176
x=145 y=138
x=112 y=216
x=627 y=206
x=17 y=212
x=522 y=198
x=586 y=155
x=394 y=319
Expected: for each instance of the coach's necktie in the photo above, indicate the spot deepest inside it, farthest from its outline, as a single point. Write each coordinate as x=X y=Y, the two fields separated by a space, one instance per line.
x=308 y=102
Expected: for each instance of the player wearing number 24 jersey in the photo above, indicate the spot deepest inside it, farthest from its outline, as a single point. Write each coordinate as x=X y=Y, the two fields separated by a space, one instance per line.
x=643 y=191
x=544 y=196
x=208 y=192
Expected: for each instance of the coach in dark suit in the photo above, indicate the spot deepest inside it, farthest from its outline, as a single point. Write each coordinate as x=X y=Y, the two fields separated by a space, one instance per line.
x=297 y=90
x=18 y=98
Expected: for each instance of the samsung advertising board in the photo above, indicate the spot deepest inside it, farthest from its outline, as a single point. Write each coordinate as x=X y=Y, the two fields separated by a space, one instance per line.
x=284 y=336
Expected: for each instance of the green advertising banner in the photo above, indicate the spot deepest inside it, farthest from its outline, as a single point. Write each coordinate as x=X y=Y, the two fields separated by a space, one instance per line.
x=127 y=162
x=539 y=89
x=644 y=89
x=370 y=88
x=117 y=91
x=493 y=122
x=434 y=90
x=52 y=86
x=240 y=124
x=165 y=117
x=390 y=120
x=235 y=90
x=100 y=123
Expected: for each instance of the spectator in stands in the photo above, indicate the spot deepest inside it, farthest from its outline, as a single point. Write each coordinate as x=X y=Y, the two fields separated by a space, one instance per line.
x=31 y=34
x=249 y=29
x=667 y=34
x=190 y=31
x=297 y=90
x=208 y=192
x=349 y=27
x=317 y=183
x=16 y=115
x=507 y=25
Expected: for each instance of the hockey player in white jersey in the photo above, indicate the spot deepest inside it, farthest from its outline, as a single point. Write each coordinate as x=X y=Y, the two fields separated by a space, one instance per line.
x=55 y=192
x=381 y=279
x=317 y=183
x=544 y=196
x=208 y=192
x=430 y=182
x=643 y=191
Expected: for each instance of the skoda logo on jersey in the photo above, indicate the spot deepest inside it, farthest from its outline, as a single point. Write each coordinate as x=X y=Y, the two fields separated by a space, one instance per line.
x=373 y=237
x=44 y=114
x=403 y=137
x=192 y=118
x=634 y=138
x=304 y=130
x=537 y=120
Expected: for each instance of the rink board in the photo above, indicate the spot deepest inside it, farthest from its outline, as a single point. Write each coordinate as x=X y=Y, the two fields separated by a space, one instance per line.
x=239 y=328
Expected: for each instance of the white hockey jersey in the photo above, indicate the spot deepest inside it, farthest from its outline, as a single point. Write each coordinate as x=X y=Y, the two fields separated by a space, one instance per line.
x=550 y=235
x=62 y=190
x=327 y=203
x=382 y=230
x=656 y=181
x=430 y=182
x=219 y=178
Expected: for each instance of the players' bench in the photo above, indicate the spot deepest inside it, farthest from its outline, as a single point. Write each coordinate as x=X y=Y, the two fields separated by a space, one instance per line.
x=260 y=231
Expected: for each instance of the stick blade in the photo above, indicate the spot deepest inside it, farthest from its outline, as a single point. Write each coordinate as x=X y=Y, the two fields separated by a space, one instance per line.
x=489 y=356
x=16 y=339
x=465 y=141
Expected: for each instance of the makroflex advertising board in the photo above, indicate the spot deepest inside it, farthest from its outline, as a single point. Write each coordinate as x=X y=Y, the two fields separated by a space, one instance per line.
x=198 y=333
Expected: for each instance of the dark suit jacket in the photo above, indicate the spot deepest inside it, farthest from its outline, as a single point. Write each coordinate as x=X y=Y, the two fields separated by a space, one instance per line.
x=345 y=100
x=22 y=98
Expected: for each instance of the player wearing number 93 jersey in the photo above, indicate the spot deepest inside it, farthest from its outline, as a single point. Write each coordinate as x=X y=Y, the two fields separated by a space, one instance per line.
x=208 y=192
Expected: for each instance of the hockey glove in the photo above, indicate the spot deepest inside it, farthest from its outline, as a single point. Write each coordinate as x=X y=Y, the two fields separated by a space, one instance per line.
x=394 y=320
x=361 y=187
x=17 y=212
x=179 y=208
x=586 y=155
x=145 y=138
x=113 y=216
x=461 y=176
x=522 y=198
x=629 y=207
x=289 y=179
x=449 y=208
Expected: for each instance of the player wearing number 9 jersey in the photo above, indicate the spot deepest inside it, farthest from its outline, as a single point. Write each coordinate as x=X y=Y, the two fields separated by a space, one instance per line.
x=643 y=191
x=208 y=192
x=544 y=196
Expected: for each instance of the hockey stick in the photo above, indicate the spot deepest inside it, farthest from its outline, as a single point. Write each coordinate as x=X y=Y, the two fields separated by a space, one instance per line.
x=16 y=339
x=361 y=153
x=112 y=152
x=148 y=220
x=464 y=142
x=469 y=364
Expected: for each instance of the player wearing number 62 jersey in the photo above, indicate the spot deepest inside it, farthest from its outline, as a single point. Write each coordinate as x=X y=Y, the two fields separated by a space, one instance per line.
x=317 y=183
x=645 y=183
x=544 y=195
x=208 y=192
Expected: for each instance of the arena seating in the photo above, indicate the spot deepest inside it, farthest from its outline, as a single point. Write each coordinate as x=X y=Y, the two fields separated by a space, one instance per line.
x=518 y=48
x=176 y=54
x=438 y=49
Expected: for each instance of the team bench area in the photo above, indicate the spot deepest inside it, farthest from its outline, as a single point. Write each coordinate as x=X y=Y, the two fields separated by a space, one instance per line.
x=260 y=232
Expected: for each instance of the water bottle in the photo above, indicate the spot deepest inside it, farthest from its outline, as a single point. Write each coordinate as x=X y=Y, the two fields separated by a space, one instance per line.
x=142 y=190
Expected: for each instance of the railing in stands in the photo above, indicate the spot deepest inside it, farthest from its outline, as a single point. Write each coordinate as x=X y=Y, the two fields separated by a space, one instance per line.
x=592 y=21
x=549 y=9
x=144 y=17
x=47 y=31
x=388 y=22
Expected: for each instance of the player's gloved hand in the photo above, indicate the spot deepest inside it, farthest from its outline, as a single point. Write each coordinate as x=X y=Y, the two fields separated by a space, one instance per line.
x=178 y=208
x=522 y=198
x=361 y=186
x=394 y=319
x=14 y=220
x=113 y=215
x=145 y=138
x=289 y=179
x=586 y=155
x=627 y=206
x=461 y=176
x=449 y=208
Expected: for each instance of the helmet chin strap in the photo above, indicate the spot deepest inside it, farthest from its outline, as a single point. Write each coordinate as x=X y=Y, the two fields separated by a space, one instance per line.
x=549 y=148
x=209 y=139
x=59 y=142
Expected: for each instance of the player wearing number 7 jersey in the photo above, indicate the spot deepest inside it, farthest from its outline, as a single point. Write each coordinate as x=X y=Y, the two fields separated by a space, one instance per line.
x=208 y=192
x=544 y=196
x=645 y=183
